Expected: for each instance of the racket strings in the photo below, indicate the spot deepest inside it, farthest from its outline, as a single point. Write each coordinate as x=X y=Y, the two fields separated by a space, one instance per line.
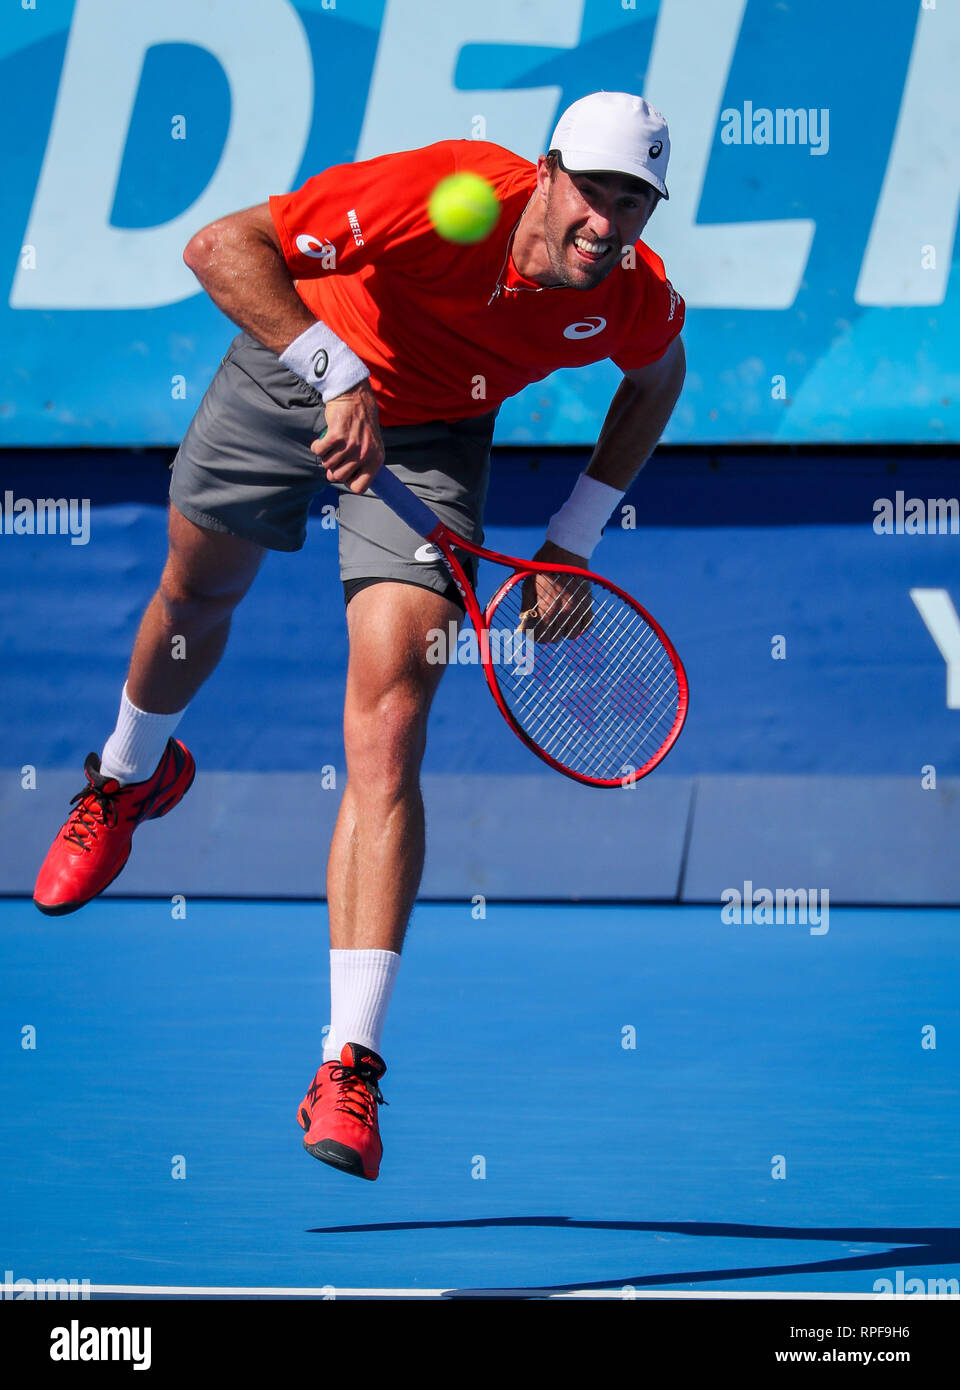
x=601 y=701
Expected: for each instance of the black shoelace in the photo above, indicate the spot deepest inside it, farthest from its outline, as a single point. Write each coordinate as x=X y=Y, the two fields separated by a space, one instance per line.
x=83 y=824
x=360 y=1088
x=97 y=807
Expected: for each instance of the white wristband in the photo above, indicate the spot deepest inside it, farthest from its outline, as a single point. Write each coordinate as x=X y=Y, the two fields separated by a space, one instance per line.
x=324 y=361
x=578 y=524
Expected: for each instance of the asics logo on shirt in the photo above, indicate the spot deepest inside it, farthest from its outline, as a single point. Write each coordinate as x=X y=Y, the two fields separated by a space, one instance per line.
x=589 y=328
x=309 y=245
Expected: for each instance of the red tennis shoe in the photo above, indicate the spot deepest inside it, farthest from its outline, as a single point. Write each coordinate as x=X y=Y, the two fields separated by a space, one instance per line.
x=339 y=1112
x=94 y=843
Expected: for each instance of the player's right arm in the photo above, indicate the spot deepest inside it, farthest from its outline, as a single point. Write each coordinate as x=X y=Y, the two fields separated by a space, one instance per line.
x=240 y=263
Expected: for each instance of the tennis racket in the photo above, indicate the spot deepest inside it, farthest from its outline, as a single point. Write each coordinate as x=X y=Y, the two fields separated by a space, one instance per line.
x=582 y=674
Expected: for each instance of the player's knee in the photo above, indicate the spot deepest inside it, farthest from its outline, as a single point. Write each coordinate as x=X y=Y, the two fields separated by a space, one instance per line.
x=188 y=602
x=384 y=738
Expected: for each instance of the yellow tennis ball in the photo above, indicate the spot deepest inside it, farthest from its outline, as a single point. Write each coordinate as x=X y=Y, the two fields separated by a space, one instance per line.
x=463 y=208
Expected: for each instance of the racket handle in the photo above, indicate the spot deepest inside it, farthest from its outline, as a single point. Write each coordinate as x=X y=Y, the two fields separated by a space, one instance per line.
x=405 y=503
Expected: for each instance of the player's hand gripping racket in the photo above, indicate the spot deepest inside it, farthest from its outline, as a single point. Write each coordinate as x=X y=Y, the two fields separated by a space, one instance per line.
x=581 y=673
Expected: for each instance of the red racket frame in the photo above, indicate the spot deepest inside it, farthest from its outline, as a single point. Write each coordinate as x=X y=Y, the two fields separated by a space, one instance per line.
x=446 y=540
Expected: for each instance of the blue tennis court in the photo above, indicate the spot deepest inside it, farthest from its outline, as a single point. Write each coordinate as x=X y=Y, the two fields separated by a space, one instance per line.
x=582 y=1099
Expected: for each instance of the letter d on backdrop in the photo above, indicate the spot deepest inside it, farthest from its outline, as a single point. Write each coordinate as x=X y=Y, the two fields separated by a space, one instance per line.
x=84 y=263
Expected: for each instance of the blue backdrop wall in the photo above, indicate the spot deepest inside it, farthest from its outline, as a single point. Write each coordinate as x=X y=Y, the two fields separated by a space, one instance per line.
x=730 y=551
x=811 y=226
x=822 y=746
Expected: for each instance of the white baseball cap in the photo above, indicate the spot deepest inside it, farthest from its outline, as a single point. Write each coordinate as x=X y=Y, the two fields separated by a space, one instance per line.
x=616 y=133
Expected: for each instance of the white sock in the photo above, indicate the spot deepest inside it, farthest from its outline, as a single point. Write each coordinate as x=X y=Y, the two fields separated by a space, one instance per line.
x=361 y=983
x=135 y=747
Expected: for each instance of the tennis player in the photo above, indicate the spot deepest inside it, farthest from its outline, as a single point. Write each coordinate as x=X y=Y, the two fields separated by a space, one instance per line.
x=367 y=340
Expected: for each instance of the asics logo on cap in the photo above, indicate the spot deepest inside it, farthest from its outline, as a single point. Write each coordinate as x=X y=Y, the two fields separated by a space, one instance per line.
x=656 y=148
x=589 y=328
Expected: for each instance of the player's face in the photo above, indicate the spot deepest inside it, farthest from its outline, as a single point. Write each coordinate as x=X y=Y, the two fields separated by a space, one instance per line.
x=588 y=220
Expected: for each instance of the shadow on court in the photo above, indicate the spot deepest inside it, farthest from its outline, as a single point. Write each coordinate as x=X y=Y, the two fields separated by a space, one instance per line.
x=909 y=1247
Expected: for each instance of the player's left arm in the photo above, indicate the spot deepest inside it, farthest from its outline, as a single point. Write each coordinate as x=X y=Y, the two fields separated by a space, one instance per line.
x=637 y=417
x=635 y=420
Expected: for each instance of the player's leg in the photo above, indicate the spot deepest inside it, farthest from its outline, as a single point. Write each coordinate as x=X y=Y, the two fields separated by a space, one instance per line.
x=144 y=771
x=242 y=483
x=184 y=630
x=181 y=638
x=376 y=857
x=398 y=593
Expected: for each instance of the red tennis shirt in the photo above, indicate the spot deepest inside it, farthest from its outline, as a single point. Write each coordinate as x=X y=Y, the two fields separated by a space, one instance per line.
x=425 y=315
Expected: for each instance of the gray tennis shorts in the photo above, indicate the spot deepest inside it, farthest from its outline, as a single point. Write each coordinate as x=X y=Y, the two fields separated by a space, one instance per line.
x=245 y=468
